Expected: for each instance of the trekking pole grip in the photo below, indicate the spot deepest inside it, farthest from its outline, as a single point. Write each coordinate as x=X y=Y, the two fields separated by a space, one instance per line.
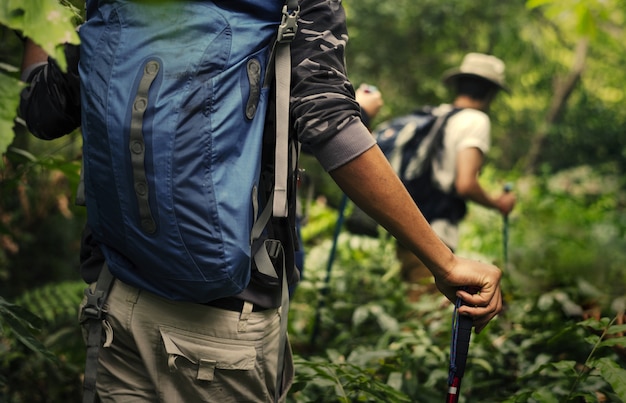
x=465 y=325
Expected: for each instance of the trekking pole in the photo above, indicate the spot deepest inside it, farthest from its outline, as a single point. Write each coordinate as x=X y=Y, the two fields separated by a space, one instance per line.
x=505 y=231
x=331 y=259
x=459 y=348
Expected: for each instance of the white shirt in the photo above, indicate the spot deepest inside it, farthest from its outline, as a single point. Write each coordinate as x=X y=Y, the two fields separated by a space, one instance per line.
x=466 y=129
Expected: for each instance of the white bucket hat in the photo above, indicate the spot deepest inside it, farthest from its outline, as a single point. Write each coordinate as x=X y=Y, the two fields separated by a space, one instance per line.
x=481 y=65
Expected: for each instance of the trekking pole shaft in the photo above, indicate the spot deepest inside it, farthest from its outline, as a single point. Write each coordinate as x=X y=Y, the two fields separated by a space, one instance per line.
x=463 y=339
x=465 y=324
x=331 y=259
x=505 y=231
x=459 y=351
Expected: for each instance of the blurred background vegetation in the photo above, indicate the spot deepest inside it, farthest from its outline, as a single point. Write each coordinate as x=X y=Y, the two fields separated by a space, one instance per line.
x=559 y=138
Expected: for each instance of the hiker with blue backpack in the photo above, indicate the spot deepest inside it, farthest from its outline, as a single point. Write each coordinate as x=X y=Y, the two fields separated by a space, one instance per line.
x=190 y=183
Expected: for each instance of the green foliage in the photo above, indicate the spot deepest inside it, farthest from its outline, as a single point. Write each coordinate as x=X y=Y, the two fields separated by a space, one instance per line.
x=567 y=229
x=586 y=17
x=530 y=350
x=555 y=376
x=41 y=345
x=540 y=349
x=40 y=225
x=566 y=148
x=341 y=382
x=48 y=23
x=55 y=304
x=21 y=321
x=9 y=99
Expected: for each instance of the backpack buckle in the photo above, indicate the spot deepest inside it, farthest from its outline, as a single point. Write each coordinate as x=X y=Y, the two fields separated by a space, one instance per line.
x=288 y=26
x=93 y=309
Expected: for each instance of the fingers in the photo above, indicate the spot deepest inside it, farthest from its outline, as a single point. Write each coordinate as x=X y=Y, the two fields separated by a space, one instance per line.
x=484 y=299
x=482 y=307
x=506 y=203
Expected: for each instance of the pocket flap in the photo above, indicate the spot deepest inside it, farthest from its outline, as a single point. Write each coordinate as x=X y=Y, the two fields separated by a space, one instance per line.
x=207 y=352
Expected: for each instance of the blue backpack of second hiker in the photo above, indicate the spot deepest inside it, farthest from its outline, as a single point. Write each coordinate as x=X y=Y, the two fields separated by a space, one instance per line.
x=174 y=107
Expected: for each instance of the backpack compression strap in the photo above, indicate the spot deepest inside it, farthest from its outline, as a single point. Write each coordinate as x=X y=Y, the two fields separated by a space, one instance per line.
x=282 y=72
x=277 y=205
x=268 y=250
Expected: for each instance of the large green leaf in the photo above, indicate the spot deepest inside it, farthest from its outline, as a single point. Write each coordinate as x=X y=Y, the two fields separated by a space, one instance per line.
x=613 y=374
x=49 y=24
x=46 y=22
x=21 y=321
x=613 y=341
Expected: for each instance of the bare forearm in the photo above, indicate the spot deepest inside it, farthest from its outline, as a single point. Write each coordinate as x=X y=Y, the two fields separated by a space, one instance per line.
x=380 y=193
x=477 y=194
x=371 y=183
x=33 y=54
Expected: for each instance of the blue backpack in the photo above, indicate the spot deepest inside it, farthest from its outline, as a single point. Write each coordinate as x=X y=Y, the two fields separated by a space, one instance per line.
x=174 y=108
x=410 y=143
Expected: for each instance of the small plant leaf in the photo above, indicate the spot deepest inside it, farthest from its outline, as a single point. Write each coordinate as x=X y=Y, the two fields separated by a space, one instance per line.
x=613 y=374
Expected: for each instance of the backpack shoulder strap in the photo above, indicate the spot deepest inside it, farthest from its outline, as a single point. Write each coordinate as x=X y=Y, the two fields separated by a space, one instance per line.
x=436 y=132
x=426 y=151
x=280 y=65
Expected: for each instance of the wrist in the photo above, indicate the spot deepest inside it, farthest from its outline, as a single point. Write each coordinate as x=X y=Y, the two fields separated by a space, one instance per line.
x=444 y=264
x=497 y=205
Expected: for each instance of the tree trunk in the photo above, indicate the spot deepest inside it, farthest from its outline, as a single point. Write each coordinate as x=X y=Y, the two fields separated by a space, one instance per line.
x=562 y=91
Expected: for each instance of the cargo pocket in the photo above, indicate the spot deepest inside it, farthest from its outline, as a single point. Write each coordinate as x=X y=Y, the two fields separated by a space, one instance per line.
x=197 y=356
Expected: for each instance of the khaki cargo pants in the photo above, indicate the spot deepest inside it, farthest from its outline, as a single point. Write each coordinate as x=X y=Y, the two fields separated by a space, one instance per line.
x=166 y=351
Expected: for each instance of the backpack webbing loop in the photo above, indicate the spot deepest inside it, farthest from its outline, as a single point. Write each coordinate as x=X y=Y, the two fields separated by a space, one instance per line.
x=93 y=312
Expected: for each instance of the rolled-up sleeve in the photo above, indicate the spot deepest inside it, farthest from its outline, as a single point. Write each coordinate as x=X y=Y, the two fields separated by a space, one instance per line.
x=325 y=115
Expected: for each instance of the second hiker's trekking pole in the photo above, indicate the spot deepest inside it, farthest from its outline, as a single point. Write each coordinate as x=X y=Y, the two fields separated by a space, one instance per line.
x=331 y=259
x=505 y=232
x=459 y=348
